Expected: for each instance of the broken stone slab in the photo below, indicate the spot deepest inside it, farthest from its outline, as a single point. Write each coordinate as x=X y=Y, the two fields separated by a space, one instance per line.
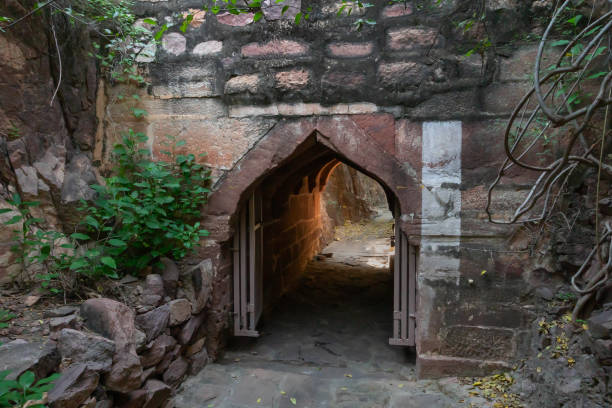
x=60 y=311
x=162 y=367
x=134 y=399
x=195 y=347
x=96 y=352
x=73 y=387
x=154 y=323
x=157 y=393
x=20 y=356
x=180 y=312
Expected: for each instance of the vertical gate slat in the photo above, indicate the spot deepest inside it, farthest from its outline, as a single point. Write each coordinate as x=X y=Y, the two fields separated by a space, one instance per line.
x=243 y=269
x=252 y=263
x=259 y=275
x=236 y=250
x=411 y=295
x=404 y=285
x=396 y=277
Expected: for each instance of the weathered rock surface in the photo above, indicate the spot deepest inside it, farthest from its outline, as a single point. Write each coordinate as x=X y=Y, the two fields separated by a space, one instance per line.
x=170 y=276
x=156 y=350
x=180 y=312
x=176 y=371
x=154 y=323
x=157 y=393
x=20 y=356
x=115 y=321
x=74 y=387
x=96 y=352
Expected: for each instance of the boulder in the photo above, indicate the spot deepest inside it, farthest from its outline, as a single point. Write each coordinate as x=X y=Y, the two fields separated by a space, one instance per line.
x=197 y=285
x=190 y=328
x=180 y=311
x=125 y=374
x=156 y=350
x=111 y=319
x=176 y=370
x=157 y=393
x=600 y=325
x=154 y=323
x=195 y=347
x=198 y=361
x=19 y=356
x=74 y=387
x=170 y=276
x=115 y=321
x=94 y=351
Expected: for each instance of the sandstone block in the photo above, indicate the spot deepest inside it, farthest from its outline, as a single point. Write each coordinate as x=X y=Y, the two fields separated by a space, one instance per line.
x=234 y=20
x=174 y=43
x=397 y=10
x=207 y=48
x=243 y=83
x=283 y=48
x=411 y=38
x=350 y=50
x=292 y=80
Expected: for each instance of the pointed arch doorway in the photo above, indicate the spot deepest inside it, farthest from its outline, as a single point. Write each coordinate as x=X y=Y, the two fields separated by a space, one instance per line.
x=302 y=171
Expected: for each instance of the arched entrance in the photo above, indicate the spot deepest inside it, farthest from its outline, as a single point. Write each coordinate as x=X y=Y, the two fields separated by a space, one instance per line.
x=285 y=171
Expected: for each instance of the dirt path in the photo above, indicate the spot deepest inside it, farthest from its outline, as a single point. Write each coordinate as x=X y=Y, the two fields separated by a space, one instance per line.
x=326 y=344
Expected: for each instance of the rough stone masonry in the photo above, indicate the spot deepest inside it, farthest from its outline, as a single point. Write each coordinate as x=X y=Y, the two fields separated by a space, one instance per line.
x=398 y=100
x=276 y=105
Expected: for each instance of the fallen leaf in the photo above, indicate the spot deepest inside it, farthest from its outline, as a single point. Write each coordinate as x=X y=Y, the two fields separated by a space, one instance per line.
x=293 y=401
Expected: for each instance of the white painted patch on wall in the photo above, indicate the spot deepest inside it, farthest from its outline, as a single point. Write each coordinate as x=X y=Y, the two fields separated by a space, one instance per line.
x=441 y=200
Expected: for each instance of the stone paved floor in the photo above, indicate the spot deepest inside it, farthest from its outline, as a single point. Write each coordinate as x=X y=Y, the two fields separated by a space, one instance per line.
x=325 y=345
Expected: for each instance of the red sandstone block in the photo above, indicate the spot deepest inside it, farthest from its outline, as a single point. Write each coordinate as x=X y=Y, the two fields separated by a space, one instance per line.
x=410 y=38
x=350 y=50
x=292 y=80
x=274 y=47
x=235 y=20
x=397 y=10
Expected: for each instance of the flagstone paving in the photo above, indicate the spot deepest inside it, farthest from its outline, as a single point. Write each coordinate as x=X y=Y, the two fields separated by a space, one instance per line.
x=325 y=345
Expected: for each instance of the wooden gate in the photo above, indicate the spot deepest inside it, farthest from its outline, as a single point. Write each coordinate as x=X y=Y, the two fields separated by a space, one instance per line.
x=248 y=268
x=404 y=288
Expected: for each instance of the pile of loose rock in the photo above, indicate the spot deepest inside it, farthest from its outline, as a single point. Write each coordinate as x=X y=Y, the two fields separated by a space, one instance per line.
x=112 y=355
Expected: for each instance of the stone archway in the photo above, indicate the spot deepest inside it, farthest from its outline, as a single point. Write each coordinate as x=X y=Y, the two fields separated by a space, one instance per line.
x=340 y=134
x=351 y=141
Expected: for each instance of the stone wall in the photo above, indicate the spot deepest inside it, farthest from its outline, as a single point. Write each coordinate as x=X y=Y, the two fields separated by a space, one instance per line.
x=398 y=101
x=46 y=138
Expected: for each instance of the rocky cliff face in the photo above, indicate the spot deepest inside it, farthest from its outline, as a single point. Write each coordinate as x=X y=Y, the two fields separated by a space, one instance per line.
x=47 y=125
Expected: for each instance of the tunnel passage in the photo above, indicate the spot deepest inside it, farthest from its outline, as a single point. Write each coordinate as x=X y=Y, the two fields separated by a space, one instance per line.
x=282 y=225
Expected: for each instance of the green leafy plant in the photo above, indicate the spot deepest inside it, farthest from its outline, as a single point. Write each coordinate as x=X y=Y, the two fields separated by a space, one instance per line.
x=5 y=317
x=16 y=393
x=146 y=210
